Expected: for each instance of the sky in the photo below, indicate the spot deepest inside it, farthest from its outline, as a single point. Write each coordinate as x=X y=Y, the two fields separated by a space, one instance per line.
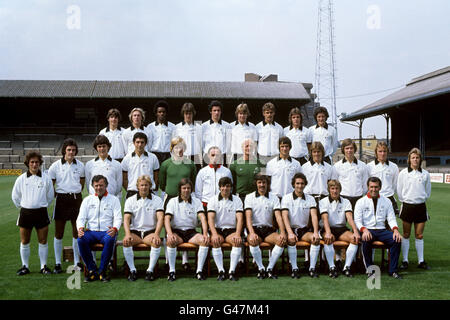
x=380 y=44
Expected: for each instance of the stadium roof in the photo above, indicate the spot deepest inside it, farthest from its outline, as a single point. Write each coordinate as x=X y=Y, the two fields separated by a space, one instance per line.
x=424 y=87
x=152 y=89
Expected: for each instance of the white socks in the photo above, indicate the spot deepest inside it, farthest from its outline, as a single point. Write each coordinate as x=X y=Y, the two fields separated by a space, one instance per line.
x=235 y=257
x=172 y=255
x=350 y=254
x=314 y=253
x=43 y=254
x=419 y=249
x=329 y=254
x=218 y=258
x=76 y=251
x=154 y=255
x=185 y=257
x=58 y=246
x=276 y=254
x=25 y=254
x=292 y=253
x=257 y=255
x=129 y=257
x=202 y=254
x=405 y=249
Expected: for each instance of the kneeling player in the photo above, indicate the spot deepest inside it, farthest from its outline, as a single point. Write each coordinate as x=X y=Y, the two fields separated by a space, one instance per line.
x=225 y=220
x=143 y=221
x=180 y=222
x=336 y=211
x=261 y=207
x=297 y=208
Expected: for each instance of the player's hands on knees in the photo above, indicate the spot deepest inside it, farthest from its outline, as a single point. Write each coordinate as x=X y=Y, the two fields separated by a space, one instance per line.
x=292 y=239
x=356 y=237
x=155 y=239
x=396 y=236
x=329 y=238
x=316 y=238
x=215 y=240
x=253 y=239
x=282 y=239
x=236 y=240
x=127 y=241
x=367 y=236
x=80 y=232
x=206 y=240
x=171 y=240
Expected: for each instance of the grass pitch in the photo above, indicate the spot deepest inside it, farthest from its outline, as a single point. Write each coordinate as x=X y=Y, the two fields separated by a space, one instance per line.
x=417 y=284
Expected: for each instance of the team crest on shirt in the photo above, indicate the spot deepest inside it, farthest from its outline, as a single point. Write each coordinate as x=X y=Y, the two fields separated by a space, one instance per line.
x=40 y=184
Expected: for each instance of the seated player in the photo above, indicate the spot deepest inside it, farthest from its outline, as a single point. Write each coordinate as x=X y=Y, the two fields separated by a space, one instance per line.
x=336 y=211
x=180 y=221
x=226 y=220
x=143 y=222
x=98 y=222
x=371 y=212
x=297 y=209
x=261 y=207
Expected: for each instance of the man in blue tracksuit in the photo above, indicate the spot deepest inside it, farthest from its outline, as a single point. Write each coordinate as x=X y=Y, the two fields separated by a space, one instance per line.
x=99 y=221
x=371 y=212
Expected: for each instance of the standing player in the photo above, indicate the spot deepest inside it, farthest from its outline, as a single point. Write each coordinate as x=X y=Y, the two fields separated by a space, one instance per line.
x=371 y=212
x=261 y=207
x=386 y=170
x=269 y=134
x=282 y=169
x=352 y=173
x=181 y=219
x=241 y=130
x=161 y=130
x=318 y=172
x=226 y=222
x=215 y=131
x=106 y=166
x=138 y=163
x=207 y=181
x=336 y=211
x=137 y=118
x=413 y=189
x=99 y=221
x=300 y=136
x=324 y=133
x=114 y=133
x=297 y=209
x=191 y=133
x=68 y=175
x=143 y=222
x=32 y=194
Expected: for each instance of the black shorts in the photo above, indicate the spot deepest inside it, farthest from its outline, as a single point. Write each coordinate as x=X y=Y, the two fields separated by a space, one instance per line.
x=185 y=235
x=142 y=234
x=225 y=232
x=300 y=232
x=67 y=206
x=335 y=231
x=394 y=205
x=33 y=218
x=264 y=232
x=414 y=213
